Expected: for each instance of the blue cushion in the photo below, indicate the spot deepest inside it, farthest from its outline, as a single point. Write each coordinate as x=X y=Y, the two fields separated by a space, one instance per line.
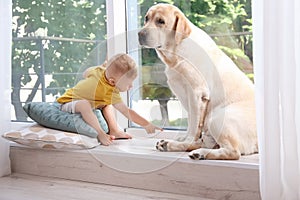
x=50 y=115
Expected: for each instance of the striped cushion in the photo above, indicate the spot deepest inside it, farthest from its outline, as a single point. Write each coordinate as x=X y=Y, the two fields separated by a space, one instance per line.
x=37 y=136
x=50 y=115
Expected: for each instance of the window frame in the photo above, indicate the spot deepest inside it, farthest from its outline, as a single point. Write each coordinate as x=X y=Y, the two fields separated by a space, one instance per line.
x=118 y=23
x=117 y=42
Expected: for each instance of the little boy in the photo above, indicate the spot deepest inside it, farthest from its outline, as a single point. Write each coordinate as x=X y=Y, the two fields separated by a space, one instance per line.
x=100 y=90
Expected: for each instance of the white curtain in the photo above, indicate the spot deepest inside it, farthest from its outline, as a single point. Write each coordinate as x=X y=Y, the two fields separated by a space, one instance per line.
x=276 y=31
x=5 y=81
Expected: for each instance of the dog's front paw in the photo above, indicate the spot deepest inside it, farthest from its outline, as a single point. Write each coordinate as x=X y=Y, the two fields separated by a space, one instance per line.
x=162 y=145
x=197 y=155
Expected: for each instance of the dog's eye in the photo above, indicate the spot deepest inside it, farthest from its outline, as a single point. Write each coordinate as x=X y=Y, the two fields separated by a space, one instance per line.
x=146 y=19
x=160 y=21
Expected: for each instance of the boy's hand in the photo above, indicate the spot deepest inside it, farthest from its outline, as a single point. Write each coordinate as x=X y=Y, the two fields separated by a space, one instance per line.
x=150 y=128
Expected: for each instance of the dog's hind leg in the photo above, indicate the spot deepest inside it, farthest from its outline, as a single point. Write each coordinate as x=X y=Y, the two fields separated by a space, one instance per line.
x=214 y=154
x=227 y=151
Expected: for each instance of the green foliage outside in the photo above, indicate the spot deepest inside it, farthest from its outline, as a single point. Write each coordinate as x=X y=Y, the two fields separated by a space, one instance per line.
x=86 y=19
x=62 y=59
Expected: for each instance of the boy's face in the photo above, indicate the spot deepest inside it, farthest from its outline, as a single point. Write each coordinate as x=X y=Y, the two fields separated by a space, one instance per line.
x=125 y=83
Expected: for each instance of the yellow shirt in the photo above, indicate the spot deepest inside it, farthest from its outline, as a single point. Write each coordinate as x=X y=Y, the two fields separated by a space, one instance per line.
x=94 y=88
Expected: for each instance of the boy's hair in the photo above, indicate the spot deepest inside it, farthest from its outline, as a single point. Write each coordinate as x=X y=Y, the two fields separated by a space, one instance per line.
x=121 y=64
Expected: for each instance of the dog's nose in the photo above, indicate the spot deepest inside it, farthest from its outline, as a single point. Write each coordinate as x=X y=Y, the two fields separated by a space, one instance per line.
x=142 y=36
x=142 y=33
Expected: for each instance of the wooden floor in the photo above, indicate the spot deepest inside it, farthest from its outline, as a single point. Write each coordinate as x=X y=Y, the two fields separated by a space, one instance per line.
x=28 y=187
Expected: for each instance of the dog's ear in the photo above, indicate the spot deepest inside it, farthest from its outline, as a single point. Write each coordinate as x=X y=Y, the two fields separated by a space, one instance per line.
x=182 y=28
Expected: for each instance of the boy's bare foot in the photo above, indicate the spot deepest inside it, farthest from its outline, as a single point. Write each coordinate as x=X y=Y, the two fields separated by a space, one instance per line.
x=105 y=139
x=120 y=134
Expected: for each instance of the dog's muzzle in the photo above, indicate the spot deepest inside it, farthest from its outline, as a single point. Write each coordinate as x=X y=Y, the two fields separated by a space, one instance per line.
x=142 y=37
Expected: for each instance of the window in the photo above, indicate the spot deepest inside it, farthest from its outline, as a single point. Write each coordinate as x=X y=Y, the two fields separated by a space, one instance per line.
x=230 y=25
x=53 y=41
x=51 y=49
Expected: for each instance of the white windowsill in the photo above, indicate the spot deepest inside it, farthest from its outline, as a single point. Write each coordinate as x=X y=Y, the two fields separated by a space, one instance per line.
x=143 y=143
x=120 y=163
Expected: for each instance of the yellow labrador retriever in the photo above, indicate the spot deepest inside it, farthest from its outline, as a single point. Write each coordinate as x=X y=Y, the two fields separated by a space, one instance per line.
x=218 y=97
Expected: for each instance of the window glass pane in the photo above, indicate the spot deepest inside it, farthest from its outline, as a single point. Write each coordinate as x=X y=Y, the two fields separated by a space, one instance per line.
x=52 y=41
x=228 y=22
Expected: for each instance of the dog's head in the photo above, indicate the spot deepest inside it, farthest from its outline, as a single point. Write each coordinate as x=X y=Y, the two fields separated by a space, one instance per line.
x=165 y=25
